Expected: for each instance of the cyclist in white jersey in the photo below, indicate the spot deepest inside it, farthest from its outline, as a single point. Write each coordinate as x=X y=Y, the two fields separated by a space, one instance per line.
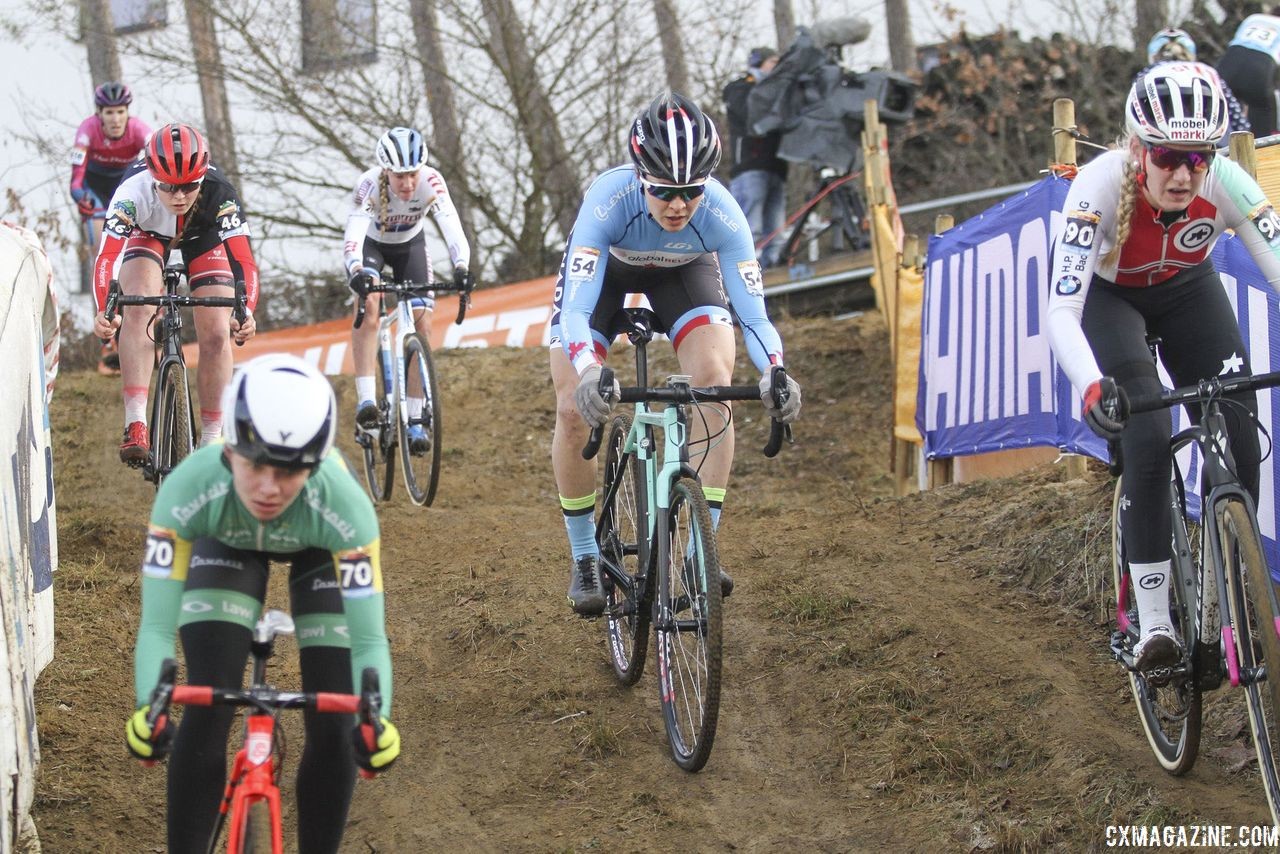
x=1131 y=260
x=385 y=226
x=1249 y=67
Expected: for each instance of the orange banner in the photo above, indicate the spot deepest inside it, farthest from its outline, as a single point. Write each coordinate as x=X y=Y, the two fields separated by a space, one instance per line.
x=516 y=315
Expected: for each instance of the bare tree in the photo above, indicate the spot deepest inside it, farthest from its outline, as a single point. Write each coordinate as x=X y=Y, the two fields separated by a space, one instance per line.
x=902 y=49
x=446 y=137
x=213 y=90
x=100 y=41
x=784 y=22
x=535 y=116
x=668 y=20
x=1152 y=15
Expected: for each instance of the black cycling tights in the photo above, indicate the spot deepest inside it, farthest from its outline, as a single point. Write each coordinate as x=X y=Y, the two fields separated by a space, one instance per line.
x=216 y=652
x=1199 y=338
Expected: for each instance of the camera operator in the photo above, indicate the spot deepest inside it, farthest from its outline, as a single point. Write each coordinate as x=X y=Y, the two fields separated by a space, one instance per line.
x=757 y=175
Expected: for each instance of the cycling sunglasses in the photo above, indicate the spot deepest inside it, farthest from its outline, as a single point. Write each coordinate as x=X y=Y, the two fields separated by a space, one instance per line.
x=1169 y=159
x=668 y=192
x=189 y=187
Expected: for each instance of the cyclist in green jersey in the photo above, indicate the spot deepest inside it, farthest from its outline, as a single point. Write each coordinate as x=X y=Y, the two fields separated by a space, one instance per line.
x=273 y=491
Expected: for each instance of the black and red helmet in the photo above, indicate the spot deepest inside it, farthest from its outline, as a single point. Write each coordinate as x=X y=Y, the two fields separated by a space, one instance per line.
x=177 y=154
x=112 y=94
x=672 y=140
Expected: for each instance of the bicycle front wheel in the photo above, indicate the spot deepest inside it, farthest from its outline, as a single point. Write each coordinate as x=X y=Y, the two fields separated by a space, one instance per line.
x=171 y=438
x=619 y=535
x=420 y=433
x=379 y=448
x=687 y=628
x=1251 y=597
x=256 y=836
x=1170 y=712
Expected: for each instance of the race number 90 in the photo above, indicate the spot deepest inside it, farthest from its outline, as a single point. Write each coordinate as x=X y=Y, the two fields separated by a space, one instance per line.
x=1081 y=230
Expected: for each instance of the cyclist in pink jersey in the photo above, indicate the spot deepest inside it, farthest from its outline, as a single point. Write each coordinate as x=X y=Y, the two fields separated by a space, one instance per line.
x=106 y=143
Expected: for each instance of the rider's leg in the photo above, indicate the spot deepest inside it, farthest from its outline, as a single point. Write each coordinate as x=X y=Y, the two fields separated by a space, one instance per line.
x=327 y=770
x=221 y=602
x=139 y=276
x=213 y=336
x=575 y=477
x=364 y=349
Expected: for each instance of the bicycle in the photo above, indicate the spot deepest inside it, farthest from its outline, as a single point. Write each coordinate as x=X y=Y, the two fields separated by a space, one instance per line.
x=658 y=554
x=406 y=366
x=848 y=217
x=250 y=808
x=172 y=414
x=1223 y=602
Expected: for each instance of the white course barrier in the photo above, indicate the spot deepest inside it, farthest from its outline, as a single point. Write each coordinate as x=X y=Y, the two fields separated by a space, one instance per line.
x=28 y=534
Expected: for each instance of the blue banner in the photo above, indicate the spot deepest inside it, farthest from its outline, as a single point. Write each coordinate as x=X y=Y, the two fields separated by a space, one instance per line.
x=988 y=380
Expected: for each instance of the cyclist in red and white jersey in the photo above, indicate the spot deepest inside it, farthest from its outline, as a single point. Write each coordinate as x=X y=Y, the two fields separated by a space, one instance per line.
x=385 y=226
x=174 y=198
x=1132 y=260
x=106 y=143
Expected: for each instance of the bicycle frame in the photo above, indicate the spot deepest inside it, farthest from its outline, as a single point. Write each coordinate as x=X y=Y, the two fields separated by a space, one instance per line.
x=255 y=771
x=169 y=305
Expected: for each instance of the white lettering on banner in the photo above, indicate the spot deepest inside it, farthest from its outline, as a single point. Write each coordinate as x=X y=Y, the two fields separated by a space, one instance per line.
x=333 y=361
x=517 y=323
x=982 y=358
x=520 y=321
x=472 y=325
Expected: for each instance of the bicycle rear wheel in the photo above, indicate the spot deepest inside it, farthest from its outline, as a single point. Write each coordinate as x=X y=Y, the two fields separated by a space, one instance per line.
x=687 y=628
x=171 y=439
x=1171 y=713
x=421 y=467
x=1253 y=616
x=379 y=450
x=619 y=535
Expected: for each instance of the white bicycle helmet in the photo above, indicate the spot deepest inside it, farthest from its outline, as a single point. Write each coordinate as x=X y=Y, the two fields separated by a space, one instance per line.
x=1178 y=103
x=401 y=149
x=279 y=410
x=1170 y=45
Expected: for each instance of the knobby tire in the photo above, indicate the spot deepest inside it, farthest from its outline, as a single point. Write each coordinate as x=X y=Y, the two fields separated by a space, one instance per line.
x=257 y=829
x=1171 y=715
x=688 y=628
x=421 y=472
x=1253 y=616
x=172 y=439
x=379 y=451
x=630 y=598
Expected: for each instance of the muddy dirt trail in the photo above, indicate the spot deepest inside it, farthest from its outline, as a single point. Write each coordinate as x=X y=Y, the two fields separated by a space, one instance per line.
x=927 y=673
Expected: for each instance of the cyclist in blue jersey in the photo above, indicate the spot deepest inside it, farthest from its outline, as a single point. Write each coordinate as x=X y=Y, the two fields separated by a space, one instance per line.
x=664 y=228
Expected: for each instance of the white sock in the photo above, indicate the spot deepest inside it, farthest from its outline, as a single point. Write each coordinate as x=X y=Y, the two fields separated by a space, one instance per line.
x=364 y=388
x=1151 y=589
x=415 y=406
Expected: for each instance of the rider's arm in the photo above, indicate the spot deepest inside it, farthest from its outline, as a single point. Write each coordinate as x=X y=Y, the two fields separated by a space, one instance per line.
x=1085 y=232
x=109 y=250
x=233 y=230
x=80 y=158
x=1245 y=208
x=359 y=218
x=357 y=560
x=743 y=280
x=601 y=221
x=446 y=216
x=164 y=573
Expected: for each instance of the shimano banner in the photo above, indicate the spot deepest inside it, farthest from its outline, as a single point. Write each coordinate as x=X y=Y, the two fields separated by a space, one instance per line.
x=987 y=378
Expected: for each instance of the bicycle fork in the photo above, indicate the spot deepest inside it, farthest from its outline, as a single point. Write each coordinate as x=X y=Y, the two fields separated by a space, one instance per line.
x=252 y=780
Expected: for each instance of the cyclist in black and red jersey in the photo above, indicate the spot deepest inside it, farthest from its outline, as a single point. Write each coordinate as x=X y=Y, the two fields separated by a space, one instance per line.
x=1132 y=259
x=174 y=198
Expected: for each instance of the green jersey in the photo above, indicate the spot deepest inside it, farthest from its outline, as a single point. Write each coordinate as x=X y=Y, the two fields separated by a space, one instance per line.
x=332 y=513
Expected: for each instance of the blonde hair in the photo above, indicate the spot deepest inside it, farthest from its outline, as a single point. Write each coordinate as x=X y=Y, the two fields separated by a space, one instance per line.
x=1124 y=208
x=384 y=201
